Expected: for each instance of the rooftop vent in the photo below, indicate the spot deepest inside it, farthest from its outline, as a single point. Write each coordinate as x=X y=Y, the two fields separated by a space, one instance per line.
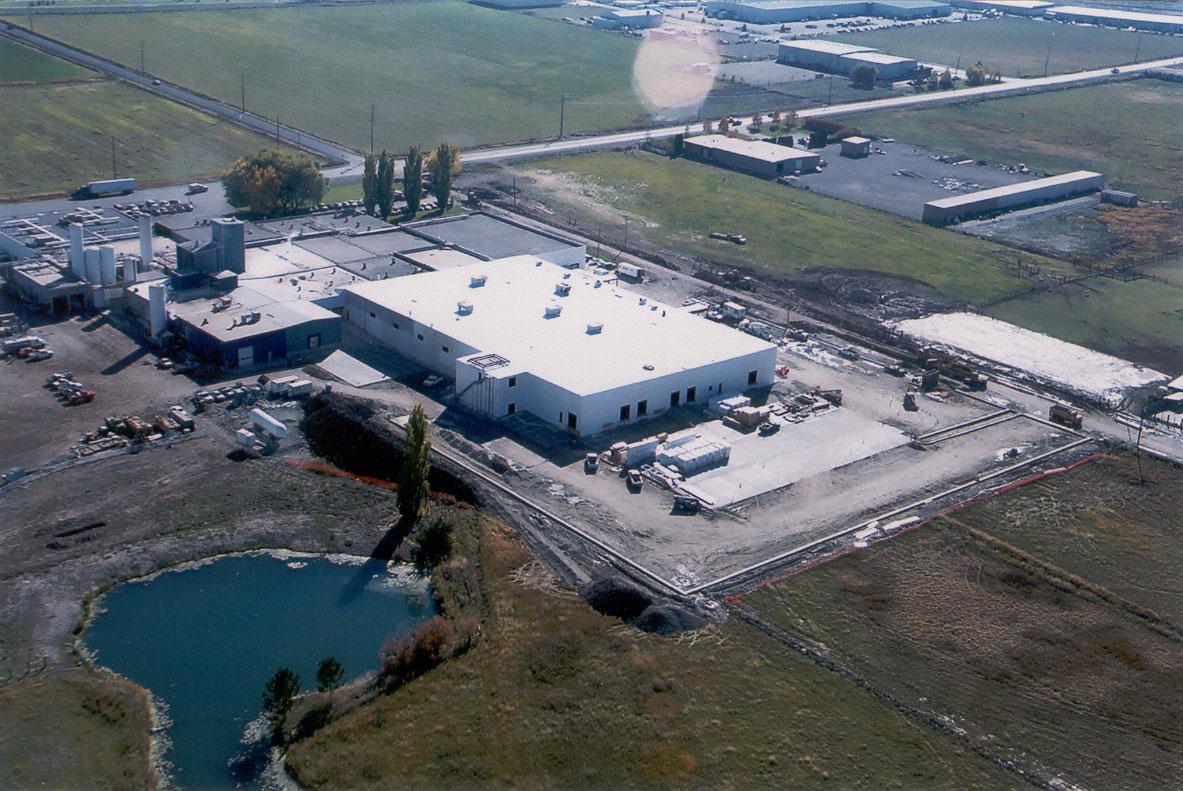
x=464 y=308
x=553 y=310
x=562 y=289
x=595 y=328
x=476 y=281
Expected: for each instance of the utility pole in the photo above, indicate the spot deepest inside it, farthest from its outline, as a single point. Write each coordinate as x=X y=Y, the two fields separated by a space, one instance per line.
x=515 y=192
x=1138 y=51
x=141 y=56
x=1048 y=60
x=562 y=112
x=371 y=128
x=114 y=171
x=830 y=98
x=242 y=82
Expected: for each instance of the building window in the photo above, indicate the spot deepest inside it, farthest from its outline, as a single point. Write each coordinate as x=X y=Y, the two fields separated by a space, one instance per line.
x=691 y=394
x=752 y=376
x=510 y=408
x=314 y=341
x=394 y=324
x=625 y=413
x=513 y=381
x=572 y=421
x=642 y=408
x=675 y=398
x=446 y=349
x=372 y=316
x=417 y=335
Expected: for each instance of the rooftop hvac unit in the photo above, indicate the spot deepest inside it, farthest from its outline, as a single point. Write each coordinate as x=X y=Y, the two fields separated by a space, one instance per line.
x=464 y=308
x=553 y=310
x=595 y=328
x=562 y=289
x=476 y=281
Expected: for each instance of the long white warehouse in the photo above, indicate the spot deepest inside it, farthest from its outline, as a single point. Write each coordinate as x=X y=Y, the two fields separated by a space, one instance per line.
x=1012 y=196
x=570 y=347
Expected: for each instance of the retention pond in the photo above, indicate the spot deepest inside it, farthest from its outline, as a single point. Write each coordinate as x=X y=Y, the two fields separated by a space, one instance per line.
x=205 y=639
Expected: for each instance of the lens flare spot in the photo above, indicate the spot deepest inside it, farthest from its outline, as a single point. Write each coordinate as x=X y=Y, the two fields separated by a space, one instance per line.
x=673 y=73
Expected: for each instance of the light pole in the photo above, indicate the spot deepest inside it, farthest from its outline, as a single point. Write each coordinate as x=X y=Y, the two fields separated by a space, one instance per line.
x=562 y=113
x=242 y=83
x=1047 y=61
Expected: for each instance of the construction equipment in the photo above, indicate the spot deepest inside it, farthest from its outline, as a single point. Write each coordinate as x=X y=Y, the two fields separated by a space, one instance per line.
x=910 y=401
x=685 y=504
x=80 y=397
x=1065 y=416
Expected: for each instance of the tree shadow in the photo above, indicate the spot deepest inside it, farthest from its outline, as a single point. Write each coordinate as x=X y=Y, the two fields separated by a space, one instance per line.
x=380 y=555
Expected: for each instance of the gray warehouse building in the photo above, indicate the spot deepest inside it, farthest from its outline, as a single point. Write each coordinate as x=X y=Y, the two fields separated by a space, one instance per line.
x=1162 y=23
x=887 y=67
x=1013 y=196
x=757 y=157
x=838 y=57
x=772 y=12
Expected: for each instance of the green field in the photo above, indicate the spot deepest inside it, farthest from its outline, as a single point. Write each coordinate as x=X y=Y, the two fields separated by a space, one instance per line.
x=19 y=63
x=556 y=695
x=1019 y=47
x=66 y=130
x=675 y=204
x=1032 y=654
x=436 y=70
x=1134 y=141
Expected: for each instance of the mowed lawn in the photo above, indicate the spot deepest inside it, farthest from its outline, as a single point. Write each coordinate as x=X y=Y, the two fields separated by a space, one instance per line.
x=1019 y=47
x=62 y=135
x=19 y=63
x=556 y=695
x=1129 y=131
x=676 y=203
x=1028 y=649
x=436 y=71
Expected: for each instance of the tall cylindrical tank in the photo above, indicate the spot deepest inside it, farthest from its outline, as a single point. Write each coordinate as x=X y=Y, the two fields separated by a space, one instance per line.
x=145 y=242
x=129 y=270
x=77 y=254
x=107 y=265
x=157 y=314
x=94 y=268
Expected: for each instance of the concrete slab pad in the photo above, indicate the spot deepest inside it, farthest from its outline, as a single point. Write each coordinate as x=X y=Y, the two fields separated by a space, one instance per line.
x=798 y=451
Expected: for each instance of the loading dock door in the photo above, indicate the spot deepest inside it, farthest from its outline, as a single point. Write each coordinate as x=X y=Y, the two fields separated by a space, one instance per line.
x=246 y=356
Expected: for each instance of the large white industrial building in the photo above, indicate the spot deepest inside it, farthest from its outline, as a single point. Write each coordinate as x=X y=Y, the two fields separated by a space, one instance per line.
x=768 y=12
x=570 y=347
x=1115 y=17
x=758 y=157
x=842 y=58
x=1012 y=196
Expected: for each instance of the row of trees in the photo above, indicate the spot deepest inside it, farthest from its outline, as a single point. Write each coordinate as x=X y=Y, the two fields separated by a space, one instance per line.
x=280 y=691
x=442 y=164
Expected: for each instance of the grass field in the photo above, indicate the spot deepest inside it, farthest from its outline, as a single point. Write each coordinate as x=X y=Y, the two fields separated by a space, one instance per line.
x=674 y=204
x=1140 y=321
x=1019 y=47
x=1045 y=668
x=19 y=63
x=437 y=71
x=66 y=131
x=556 y=695
x=1133 y=141
x=73 y=730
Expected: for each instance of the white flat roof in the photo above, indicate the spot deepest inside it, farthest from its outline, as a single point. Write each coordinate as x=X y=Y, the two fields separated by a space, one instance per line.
x=828 y=47
x=756 y=149
x=1013 y=189
x=856 y=140
x=1117 y=15
x=640 y=340
x=881 y=58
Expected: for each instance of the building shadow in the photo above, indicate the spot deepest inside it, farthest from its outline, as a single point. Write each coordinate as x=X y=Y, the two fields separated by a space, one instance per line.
x=124 y=362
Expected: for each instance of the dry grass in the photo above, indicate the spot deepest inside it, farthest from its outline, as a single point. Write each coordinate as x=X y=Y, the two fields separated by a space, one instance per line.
x=556 y=695
x=73 y=730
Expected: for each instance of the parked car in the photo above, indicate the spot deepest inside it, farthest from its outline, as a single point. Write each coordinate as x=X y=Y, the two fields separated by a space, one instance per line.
x=195 y=189
x=848 y=353
x=768 y=428
x=591 y=463
x=634 y=481
x=684 y=504
x=433 y=380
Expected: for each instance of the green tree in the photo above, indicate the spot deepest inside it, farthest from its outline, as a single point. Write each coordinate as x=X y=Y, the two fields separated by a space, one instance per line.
x=413 y=179
x=412 y=476
x=435 y=543
x=445 y=164
x=278 y=694
x=384 y=186
x=679 y=144
x=946 y=80
x=369 y=183
x=864 y=77
x=273 y=180
x=329 y=675
x=975 y=75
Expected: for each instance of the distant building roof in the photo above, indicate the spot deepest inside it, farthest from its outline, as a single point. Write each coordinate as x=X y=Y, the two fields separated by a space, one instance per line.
x=755 y=149
x=827 y=47
x=238 y=321
x=1117 y=15
x=488 y=236
x=855 y=140
x=878 y=58
x=1012 y=189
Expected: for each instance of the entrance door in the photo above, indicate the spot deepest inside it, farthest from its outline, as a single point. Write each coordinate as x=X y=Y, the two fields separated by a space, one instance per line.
x=572 y=421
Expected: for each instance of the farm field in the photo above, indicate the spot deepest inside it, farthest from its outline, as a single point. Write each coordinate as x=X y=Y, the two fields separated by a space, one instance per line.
x=1059 y=131
x=1036 y=664
x=426 y=66
x=1019 y=47
x=19 y=63
x=66 y=131
x=674 y=203
x=577 y=699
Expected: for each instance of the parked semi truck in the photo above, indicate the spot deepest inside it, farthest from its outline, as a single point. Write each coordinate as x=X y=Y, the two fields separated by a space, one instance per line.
x=104 y=189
